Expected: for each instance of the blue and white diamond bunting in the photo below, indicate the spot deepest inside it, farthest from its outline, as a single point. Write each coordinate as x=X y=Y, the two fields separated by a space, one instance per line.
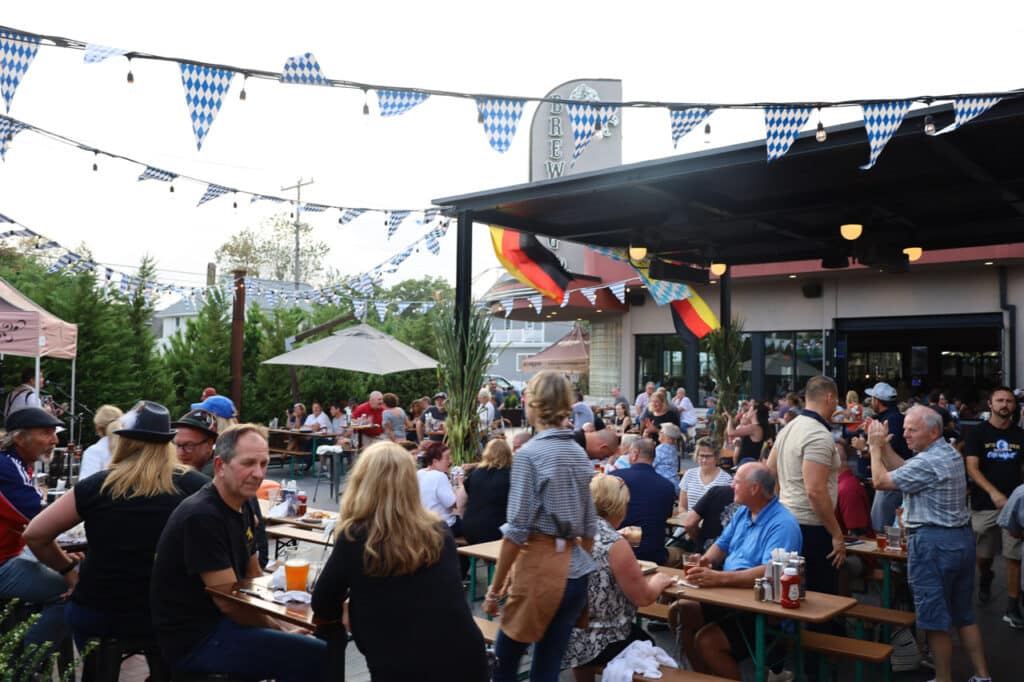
x=152 y=173
x=537 y=302
x=94 y=54
x=565 y=298
x=313 y=208
x=619 y=291
x=5 y=219
x=425 y=306
x=685 y=120
x=431 y=241
x=507 y=304
x=212 y=192
x=402 y=306
x=264 y=197
x=16 y=54
x=967 y=108
x=590 y=293
x=584 y=117
x=429 y=216
x=781 y=127
x=382 y=309
x=397 y=102
x=8 y=129
x=350 y=214
x=881 y=122
x=303 y=69
x=358 y=308
x=205 y=88
x=393 y=219
x=500 y=120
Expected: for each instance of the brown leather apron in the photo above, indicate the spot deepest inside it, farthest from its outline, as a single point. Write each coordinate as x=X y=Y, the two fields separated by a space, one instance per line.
x=537 y=583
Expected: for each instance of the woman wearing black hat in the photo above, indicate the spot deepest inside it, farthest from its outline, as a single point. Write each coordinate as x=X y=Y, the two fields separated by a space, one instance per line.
x=124 y=508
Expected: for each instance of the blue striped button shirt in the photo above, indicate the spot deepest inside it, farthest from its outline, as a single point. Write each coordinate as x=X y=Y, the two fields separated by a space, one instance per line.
x=934 y=486
x=550 y=494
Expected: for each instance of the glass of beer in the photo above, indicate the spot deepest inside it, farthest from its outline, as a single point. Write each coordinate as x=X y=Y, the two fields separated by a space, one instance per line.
x=633 y=535
x=296 y=574
x=882 y=540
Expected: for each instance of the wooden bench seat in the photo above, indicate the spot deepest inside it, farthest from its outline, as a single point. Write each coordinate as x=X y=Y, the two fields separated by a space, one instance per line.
x=460 y=541
x=876 y=614
x=846 y=647
x=655 y=611
x=488 y=628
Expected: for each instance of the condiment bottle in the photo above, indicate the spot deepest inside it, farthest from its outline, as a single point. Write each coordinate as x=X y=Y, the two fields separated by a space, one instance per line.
x=790 y=588
x=301 y=498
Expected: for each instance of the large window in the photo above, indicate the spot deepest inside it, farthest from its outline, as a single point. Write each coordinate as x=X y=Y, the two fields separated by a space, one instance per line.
x=790 y=359
x=659 y=358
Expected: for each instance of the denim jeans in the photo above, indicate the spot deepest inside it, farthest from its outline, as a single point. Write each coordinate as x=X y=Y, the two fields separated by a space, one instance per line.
x=23 y=577
x=88 y=623
x=548 y=652
x=260 y=652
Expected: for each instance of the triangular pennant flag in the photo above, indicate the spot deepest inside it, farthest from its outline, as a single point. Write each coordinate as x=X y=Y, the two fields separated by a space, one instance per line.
x=94 y=54
x=358 y=308
x=49 y=245
x=212 y=192
x=264 y=197
x=429 y=216
x=432 y=243
x=967 y=108
x=781 y=127
x=585 y=119
x=426 y=306
x=507 y=304
x=303 y=69
x=537 y=302
x=313 y=208
x=500 y=118
x=591 y=294
x=205 y=88
x=382 y=309
x=16 y=54
x=685 y=120
x=5 y=219
x=156 y=174
x=8 y=129
x=880 y=122
x=565 y=299
x=619 y=291
x=350 y=214
x=397 y=102
x=393 y=219
x=401 y=306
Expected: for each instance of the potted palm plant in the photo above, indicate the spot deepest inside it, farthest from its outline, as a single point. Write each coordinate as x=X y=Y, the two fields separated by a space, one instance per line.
x=725 y=346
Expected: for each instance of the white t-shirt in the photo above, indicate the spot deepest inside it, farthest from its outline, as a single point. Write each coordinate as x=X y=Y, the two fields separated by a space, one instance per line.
x=486 y=414
x=95 y=458
x=318 y=423
x=436 y=493
x=687 y=412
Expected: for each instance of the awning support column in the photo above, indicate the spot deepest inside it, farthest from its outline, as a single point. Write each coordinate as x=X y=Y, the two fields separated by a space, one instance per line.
x=463 y=273
x=725 y=300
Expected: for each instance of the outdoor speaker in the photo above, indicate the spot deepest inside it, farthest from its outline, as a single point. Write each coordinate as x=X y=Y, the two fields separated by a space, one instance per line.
x=672 y=272
x=636 y=297
x=812 y=290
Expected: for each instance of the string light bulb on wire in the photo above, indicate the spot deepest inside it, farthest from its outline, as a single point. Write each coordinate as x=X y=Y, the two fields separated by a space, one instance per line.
x=95 y=161
x=929 y=125
x=820 y=135
x=718 y=269
x=637 y=253
x=245 y=80
x=707 y=133
x=366 y=102
x=131 y=76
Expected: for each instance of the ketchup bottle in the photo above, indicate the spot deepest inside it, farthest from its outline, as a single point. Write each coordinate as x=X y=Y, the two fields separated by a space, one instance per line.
x=790 y=588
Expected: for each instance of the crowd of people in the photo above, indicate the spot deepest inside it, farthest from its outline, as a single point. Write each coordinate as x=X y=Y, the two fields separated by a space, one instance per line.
x=169 y=510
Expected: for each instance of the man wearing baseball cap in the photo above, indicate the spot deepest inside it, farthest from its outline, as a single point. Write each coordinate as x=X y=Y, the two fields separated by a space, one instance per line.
x=31 y=435
x=883 y=403
x=197 y=431
x=435 y=416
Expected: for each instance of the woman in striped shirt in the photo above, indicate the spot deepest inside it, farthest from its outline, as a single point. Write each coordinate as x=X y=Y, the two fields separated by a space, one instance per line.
x=697 y=481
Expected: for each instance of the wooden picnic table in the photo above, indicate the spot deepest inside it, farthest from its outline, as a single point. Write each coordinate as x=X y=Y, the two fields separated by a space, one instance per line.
x=885 y=556
x=484 y=551
x=294 y=613
x=818 y=607
x=296 y=521
x=287 y=436
x=286 y=534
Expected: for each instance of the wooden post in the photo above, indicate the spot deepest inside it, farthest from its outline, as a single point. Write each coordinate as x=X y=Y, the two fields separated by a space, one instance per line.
x=237 y=339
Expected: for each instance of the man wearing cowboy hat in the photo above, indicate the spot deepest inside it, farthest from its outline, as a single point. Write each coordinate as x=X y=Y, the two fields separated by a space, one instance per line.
x=31 y=435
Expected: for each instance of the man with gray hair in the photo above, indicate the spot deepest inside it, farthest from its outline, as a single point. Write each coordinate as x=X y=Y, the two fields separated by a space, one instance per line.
x=941 y=546
x=714 y=637
x=373 y=412
x=651 y=498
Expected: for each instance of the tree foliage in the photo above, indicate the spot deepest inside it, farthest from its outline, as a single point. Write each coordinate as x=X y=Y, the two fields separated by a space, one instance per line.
x=269 y=251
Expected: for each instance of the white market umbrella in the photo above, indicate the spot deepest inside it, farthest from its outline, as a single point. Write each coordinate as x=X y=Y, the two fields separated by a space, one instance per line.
x=358 y=349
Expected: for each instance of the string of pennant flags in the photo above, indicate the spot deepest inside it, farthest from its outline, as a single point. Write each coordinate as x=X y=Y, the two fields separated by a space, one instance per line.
x=336 y=293
x=393 y=217
x=536 y=301
x=207 y=84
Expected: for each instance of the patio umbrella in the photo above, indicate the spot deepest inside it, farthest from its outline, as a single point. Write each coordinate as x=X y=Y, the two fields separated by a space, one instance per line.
x=358 y=349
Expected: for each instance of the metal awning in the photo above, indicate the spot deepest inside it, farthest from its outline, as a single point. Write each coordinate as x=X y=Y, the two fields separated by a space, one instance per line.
x=965 y=188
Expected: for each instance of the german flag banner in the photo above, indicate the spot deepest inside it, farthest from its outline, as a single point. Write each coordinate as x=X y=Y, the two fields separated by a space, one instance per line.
x=529 y=262
x=694 y=314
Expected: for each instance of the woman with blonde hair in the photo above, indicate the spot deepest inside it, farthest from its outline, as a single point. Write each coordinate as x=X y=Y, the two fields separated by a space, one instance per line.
x=616 y=588
x=391 y=556
x=486 y=488
x=125 y=508
x=97 y=455
x=550 y=513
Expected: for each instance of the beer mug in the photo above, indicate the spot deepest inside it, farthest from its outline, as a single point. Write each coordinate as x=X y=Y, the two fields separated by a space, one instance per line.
x=633 y=535
x=296 y=574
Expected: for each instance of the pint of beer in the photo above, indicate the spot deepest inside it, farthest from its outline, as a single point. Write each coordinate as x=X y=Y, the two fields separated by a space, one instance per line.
x=296 y=574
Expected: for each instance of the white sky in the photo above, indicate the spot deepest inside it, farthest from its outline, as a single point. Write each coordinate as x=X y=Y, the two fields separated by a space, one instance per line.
x=714 y=51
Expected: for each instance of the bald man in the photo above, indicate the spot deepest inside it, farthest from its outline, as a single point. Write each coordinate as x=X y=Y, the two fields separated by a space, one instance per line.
x=598 y=444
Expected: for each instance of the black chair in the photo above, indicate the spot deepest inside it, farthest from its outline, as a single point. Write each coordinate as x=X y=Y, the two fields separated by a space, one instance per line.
x=103 y=664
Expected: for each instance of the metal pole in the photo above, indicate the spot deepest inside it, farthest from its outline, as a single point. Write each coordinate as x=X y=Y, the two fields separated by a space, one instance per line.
x=237 y=339
x=299 y=184
x=463 y=271
x=725 y=302
x=74 y=373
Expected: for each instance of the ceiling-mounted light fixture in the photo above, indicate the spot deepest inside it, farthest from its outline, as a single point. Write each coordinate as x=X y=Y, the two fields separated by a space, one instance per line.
x=820 y=135
x=929 y=125
x=637 y=252
x=718 y=269
x=851 y=231
x=913 y=253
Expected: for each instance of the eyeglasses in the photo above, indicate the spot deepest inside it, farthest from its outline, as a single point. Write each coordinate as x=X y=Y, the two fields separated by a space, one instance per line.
x=188 y=447
x=706 y=456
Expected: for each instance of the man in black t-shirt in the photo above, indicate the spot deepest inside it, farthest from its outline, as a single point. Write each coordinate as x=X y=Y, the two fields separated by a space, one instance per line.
x=209 y=540
x=431 y=422
x=712 y=513
x=994 y=458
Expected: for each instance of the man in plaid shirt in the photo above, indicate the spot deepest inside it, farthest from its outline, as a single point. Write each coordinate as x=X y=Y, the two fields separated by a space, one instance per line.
x=941 y=545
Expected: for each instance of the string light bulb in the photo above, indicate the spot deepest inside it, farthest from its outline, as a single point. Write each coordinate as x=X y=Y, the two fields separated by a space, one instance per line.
x=707 y=133
x=718 y=269
x=95 y=161
x=820 y=135
x=929 y=125
x=241 y=95
x=131 y=76
x=172 y=187
x=234 y=204
x=851 y=231
x=366 y=102
x=637 y=253
x=913 y=253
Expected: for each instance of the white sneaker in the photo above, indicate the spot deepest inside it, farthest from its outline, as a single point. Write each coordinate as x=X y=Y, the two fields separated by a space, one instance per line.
x=784 y=676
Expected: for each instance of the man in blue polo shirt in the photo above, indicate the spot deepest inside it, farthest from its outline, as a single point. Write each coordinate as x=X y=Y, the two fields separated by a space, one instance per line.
x=713 y=637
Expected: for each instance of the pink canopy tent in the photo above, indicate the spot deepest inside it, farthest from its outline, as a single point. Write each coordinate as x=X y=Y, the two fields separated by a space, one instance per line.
x=29 y=330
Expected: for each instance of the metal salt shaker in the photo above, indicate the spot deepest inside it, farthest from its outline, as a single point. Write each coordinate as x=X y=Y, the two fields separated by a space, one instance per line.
x=759 y=589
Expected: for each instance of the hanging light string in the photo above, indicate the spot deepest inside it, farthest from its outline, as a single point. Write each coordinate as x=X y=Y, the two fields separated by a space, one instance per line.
x=63 y=139
x=249 y=72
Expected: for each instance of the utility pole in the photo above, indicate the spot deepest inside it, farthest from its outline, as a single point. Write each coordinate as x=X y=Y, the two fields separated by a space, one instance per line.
x=299 y=184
